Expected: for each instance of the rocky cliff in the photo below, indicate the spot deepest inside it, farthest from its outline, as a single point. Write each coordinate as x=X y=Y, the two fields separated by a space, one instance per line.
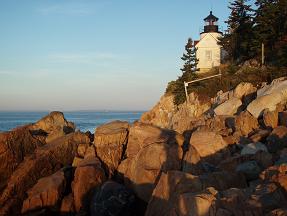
x=224 y=156
x=167 y=115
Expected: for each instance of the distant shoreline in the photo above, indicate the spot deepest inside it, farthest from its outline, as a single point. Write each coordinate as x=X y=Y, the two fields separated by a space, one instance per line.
x=67 y=111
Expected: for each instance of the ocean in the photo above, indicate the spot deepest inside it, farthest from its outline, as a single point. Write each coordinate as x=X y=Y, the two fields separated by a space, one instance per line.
x=84 y=120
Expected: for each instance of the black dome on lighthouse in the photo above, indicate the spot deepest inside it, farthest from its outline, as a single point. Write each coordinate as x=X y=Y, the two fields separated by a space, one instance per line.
x=211 y=17
x=211 y=24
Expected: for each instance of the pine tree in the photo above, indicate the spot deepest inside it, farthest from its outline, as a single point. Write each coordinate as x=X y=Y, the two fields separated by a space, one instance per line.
x=238 y=42
x=188 y=73
x=271 y=29
x=189 y=58
x=265 y=26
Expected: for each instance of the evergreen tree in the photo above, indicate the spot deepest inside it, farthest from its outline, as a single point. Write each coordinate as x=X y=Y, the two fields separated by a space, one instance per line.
x=280 y=59
x=188 y=73
x=271 y=29
x=238 y=42
x=189 y=58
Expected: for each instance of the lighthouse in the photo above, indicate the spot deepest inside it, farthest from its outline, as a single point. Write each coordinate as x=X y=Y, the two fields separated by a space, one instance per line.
x=209 y=53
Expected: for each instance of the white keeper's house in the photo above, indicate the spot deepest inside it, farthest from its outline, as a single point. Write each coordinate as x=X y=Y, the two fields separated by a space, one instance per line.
x=209 y=53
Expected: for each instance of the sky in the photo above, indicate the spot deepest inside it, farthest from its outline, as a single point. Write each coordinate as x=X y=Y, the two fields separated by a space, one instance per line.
x=95 y=54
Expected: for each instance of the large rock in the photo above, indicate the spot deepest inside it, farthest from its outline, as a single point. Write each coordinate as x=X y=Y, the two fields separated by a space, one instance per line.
x=88 y=175
x=199 y=203
x=230 y=200
x=229 y=107
x=67 y=205
x=259 y=135
x=112 y=199
x=250 y=169
x=270 y=118
x=161 y=114
x=277 y=85
x=252 y=148
x=46 y=193
x=283 y=153
x=90 y=152
x=44 y=161
x=283 y=118
x=283 y=157
x=221 y=97
x=270 y=102
x=230 y=164
x=269 y=97
x=277 y=140
x=82 y=148
x=257 y=201
x=166 y=114
x=76 y=161
x=209 y=145
x=245 y=123
x=150 y=151
x=55 y=125
x=278 y=212
x=245 y=91
x=179 y=193
x=142 y=135
x=110 y=142
x=276 y=174
x=222 y=125
x=171 y=185
x=268 y=196
x=148 y=164
x=192 y=162
x=223 y=180
x=14 y=146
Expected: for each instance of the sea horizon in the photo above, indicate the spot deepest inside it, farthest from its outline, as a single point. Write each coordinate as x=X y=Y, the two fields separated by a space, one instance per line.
x=79 y=110
x=84 y=120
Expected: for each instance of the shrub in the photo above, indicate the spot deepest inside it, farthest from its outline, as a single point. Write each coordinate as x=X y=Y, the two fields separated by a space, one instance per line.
x=230 y=78
x=177 y=87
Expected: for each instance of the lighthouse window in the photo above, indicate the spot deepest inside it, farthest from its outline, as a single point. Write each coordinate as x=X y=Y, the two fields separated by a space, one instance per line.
x=208 y=55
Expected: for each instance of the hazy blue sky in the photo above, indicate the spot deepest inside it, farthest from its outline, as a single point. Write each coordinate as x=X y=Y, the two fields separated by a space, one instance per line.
x=94 y=54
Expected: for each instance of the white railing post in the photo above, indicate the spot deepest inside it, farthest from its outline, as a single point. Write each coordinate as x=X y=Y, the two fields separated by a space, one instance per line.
x=186 y=94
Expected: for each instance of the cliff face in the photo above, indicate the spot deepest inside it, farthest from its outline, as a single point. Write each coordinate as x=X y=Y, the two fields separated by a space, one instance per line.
x=245 y=96
x=237 y=142
x=167 y=115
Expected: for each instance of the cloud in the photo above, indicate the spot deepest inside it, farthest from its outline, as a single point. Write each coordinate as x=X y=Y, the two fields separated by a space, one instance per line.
x=83 y=57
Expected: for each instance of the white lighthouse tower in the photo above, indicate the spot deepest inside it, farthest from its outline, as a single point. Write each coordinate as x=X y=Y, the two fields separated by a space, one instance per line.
x=209 y=53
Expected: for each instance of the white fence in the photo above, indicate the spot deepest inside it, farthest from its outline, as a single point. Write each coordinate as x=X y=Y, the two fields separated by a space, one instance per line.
x=193 y=81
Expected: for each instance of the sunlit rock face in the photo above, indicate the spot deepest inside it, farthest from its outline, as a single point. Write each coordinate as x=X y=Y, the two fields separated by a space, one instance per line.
x=167 y=115
x=150 y=151
x=110 y=142
x=55 y=125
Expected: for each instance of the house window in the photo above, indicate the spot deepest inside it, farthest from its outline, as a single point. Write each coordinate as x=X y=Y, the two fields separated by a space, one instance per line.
x=208 y=55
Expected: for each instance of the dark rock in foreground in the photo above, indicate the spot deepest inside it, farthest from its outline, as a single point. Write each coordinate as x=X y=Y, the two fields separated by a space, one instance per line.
x=45 y=161
x=14 y=146
x=112 y=199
